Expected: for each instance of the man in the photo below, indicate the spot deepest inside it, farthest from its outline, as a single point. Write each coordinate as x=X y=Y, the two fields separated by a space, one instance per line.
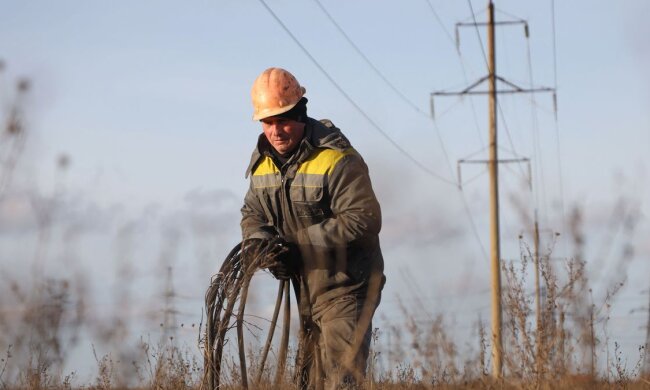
x=312 y=189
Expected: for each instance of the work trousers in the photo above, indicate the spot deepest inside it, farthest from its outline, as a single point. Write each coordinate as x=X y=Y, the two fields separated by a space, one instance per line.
x=338 y=333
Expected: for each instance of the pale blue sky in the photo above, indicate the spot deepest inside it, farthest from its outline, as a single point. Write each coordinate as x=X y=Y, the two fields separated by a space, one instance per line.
x=150 y=100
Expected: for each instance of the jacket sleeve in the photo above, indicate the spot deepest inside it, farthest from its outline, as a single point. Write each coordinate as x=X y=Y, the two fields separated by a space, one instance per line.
x=356 y=214
x=254 y=223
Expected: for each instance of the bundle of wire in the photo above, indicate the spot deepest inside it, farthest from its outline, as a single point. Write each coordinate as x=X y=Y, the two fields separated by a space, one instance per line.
x=231 y=285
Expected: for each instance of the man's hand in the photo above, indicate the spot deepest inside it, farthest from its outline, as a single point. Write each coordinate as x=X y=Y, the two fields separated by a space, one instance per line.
x=278 y=255
x=285 y=263
x=281 y=271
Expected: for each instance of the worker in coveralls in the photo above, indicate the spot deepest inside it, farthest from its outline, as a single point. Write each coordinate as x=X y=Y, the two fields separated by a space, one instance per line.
x=311 y=188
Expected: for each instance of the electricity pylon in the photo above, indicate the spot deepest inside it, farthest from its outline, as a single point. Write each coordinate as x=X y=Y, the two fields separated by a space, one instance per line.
x=493 y=167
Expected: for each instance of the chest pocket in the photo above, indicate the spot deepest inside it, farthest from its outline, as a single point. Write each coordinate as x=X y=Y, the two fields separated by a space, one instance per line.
x=308 y=201
x=270 y=199
x=267 y=189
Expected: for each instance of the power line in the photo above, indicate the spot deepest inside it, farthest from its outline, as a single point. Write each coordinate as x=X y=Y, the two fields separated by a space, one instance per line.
x=557 y=125
x=367 y=60
x=507 y=129
x=377 y=127
x=413 y=105
x=460 y=188
x=554 y=44
x=478 y=35
x=473 y=224
x=515 y=17
x=536 y=139
x=537 y=150
x=462 y=66
x=503 y=119
x=466 y=182
x=405 y=153
x=435 y=14
x=386 y=81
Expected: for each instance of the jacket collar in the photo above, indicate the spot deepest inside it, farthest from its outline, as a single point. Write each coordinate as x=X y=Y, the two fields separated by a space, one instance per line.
x=318 y=134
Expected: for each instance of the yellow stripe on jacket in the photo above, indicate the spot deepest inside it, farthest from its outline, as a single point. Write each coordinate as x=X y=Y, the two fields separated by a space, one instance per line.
x=323 y=161
x=266 y=167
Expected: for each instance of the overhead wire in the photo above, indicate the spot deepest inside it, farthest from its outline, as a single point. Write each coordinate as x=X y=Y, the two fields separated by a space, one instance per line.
x=482 y=142
x=502 y=112
x=557 y=127
x=460 y=187
x=378 y=128
x=478 y=34
x=507 y=100
x=383 y=133
x=537 y=150
x=462 y=66
x=516 y=174
x=383 y=77
x=471 y=179
x=391 y=85
x=415 y=107
x=508 y=187
x=368 y=62
x=473 y=16
x=503 y=120
x=447 y=110
x=439 y=20
x=374 y=124
x=500 y=109
x=485 y=59
x=515 y=17
x=507 y=129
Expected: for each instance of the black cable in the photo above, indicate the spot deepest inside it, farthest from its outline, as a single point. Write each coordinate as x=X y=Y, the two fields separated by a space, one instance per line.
x=228 y=286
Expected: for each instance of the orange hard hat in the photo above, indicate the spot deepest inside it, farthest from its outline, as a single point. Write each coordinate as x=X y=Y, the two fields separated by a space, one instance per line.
x=275 y=91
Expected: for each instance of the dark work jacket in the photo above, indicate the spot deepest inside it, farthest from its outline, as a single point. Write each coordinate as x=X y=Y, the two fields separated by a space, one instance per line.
x=322 y=200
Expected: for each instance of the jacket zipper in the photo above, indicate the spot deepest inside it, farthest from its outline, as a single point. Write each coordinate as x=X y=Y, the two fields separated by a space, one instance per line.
x=283 y=200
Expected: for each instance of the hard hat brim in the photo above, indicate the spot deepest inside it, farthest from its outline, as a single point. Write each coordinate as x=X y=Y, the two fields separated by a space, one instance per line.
x=269 y=112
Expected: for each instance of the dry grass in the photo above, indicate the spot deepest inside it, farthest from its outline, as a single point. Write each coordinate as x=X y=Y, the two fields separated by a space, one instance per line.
x=42 y=320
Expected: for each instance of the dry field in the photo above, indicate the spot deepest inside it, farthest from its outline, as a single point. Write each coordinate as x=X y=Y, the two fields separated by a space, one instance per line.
x=43 y=319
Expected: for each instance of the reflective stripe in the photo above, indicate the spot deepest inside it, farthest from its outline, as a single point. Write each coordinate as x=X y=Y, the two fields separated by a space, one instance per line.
x=311 y=173
x=266 y=174
x=266 y=181
x=323 y=161
x=265 y=167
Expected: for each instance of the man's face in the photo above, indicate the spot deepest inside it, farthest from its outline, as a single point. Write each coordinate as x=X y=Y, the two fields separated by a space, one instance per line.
x=283 y=134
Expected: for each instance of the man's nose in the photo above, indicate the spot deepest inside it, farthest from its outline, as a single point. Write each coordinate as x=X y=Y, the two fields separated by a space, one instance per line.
x=275 y=129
